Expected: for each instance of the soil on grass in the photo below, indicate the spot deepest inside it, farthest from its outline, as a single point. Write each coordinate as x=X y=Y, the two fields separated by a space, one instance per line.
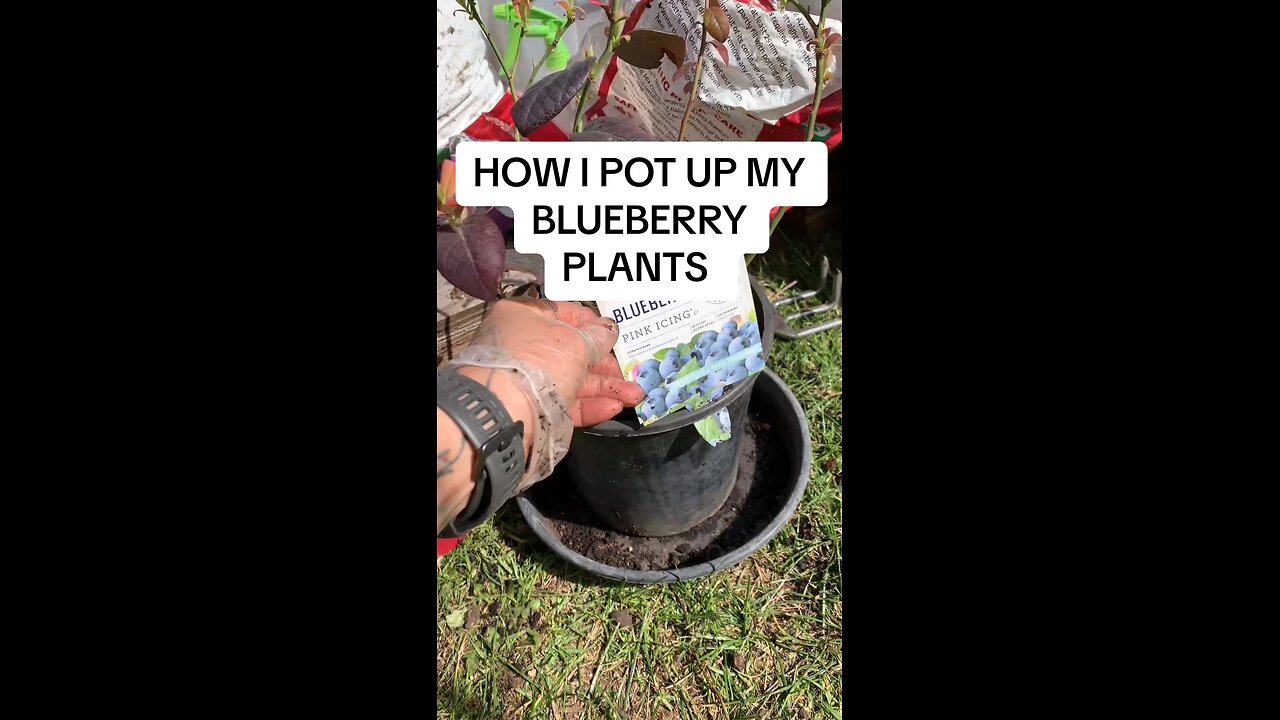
x=759 y=492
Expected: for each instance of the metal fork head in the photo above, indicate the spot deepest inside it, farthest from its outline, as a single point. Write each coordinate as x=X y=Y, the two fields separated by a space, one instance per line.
x=786 y=332
x=822 y=280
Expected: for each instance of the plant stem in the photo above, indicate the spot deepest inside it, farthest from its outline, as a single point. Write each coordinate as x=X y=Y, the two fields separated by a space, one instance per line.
x=550 y=49
x=773 y=224
x=817 y=96
x=808 y=17
x=511 y=84
x=515 y=61
x=615 y=30
x=697 y=75
x=822 y=72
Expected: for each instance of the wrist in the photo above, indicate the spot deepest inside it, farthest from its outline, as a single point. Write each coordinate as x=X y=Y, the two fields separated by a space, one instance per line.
x=455 y=462
x=483 y=413
x=550 y=427
x=509 y=388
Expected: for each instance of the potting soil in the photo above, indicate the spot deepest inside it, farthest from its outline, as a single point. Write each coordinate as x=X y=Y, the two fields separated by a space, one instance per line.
x=759 y=492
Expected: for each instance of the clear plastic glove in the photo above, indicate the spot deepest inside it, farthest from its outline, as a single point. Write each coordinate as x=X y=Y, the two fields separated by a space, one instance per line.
x=563 y=354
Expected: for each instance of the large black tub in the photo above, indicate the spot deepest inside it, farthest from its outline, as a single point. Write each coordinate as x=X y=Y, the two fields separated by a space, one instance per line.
x=771 y=473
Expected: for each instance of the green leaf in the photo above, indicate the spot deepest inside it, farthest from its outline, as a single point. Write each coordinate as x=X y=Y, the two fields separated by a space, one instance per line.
x=688 y=368
x=710 y=430
x=683 y=348
x=455 y=618
x=658 y=355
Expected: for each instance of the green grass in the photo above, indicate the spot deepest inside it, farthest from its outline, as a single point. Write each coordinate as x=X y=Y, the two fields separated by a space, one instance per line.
x=780 y=611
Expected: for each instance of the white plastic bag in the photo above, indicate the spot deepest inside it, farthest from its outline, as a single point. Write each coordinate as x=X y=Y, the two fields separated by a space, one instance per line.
x=770 y=74
x=764 y=92
x=467 y=77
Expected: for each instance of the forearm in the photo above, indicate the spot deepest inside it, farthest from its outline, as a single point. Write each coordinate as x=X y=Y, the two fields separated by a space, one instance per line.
x=456 y=457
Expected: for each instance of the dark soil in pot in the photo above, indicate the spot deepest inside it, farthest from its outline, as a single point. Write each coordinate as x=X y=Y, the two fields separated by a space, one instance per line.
x=759 y=490
x=776 y=450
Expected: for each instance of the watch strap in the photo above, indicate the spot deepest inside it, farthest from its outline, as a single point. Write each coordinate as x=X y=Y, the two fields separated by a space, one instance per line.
x=499 y=444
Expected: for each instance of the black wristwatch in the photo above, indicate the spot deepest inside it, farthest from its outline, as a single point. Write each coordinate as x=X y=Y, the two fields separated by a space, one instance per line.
x=499 y=444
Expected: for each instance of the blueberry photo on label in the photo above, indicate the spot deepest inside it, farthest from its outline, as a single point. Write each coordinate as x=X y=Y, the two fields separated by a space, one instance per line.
x=677 y=396
x=668 y=367
x=736 y=373
x=648 y=379
x=675 y=344
x=652 y=407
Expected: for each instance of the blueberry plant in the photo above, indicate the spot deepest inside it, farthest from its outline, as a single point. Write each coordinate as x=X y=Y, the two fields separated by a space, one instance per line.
x=470 y=249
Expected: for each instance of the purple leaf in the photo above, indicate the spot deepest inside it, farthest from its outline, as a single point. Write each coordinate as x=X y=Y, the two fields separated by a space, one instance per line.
x=607 y=128
x=472 y=257
x=547 y=97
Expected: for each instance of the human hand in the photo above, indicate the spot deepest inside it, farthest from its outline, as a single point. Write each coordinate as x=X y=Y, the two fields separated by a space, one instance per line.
x=563 y=353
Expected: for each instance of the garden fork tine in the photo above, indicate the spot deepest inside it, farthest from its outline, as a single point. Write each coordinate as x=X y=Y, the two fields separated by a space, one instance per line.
x=836 y=282
x=822 y=280
x=786 y=332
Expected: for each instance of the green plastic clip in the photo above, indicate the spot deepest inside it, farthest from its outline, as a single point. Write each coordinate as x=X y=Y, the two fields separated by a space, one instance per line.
x=542 y=24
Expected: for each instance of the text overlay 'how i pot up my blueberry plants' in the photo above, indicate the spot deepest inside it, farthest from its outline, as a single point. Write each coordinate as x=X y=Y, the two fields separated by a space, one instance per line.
x=617 y=221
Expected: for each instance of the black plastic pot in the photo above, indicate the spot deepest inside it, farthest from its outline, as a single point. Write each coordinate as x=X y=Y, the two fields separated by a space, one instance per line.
x=788 y=434
x=664 y=478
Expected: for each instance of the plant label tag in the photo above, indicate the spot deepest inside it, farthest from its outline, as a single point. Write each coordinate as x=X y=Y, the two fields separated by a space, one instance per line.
x=686 y=353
